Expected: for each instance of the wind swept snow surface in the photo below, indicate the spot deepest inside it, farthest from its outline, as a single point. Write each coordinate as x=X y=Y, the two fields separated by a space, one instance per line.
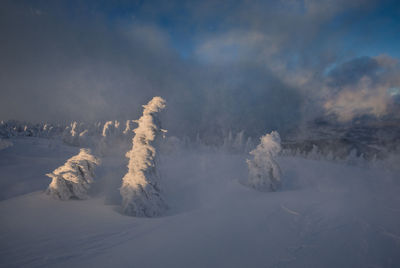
x=325 y=215
x=73 y=179
x=23 y=166
x=141 y=193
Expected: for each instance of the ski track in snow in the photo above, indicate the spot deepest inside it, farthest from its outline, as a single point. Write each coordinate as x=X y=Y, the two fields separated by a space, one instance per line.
x=327 y=215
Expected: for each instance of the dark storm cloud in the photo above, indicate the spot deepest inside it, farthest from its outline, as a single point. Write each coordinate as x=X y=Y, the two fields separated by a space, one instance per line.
x=252 y=65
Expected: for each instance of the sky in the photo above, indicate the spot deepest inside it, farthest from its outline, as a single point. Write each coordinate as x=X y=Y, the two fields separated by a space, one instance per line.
x=222 y=65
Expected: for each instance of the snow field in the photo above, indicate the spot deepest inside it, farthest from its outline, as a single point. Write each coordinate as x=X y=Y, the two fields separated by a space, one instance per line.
x=325 y=215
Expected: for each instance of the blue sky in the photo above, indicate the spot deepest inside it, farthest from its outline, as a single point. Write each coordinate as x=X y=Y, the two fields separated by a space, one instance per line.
x=371 y=32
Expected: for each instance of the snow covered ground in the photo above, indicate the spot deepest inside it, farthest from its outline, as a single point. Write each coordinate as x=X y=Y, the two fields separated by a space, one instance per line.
x=326 y=215
x=23 y=166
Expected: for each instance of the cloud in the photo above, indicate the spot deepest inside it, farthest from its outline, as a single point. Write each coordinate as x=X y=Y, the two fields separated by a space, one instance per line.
x=362 y=99
x=236 y=45
x=58 y=67
x=252 y=65
x=363 y=86
x=352 y=71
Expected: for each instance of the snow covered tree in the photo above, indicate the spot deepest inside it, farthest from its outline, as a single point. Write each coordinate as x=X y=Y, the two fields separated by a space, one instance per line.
x=140 y=190
x=314 y=153
x=108 y=129
x=84 y=138
x=71 y=134
x=330 y=156
x=264 y=171
x=228 y=141
x=249 y=145
x=107 y=137
x=127 y=133
x=73 y=179
x=117 y=126
x=237 y=145
x=128 y=127
x=354 y=159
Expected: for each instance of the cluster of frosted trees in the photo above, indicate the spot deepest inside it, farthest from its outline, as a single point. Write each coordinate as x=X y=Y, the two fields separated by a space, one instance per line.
x=237 y=144
x=114 y=136
x=104 y=135
x=110 y=135
x=350 y=157
x=14 y=128
x=75 y=133
x=141 y=190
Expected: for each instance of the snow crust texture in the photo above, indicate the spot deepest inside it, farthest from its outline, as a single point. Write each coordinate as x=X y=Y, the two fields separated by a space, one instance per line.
x=73 y=179
x=264 y=171
x=140 y=191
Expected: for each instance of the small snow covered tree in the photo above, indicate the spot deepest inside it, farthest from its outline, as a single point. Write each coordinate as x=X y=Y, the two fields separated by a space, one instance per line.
x=71 y=134
x=237 y=145
x=249 y=145
x=128 y=127
x=127 y=134
x=264 y=171
x=314 y=153
x=228 y=141
x=73 y=179
x=84 y=137
x=108 y=129
x=140 y=190
x=107 y=138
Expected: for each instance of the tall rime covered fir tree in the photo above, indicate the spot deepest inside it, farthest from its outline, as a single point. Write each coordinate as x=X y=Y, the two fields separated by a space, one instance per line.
x=73 y=179
x=141 y=193
x=264 y=171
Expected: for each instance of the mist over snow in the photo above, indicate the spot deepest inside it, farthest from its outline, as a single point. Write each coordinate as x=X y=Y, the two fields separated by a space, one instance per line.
x=200 y=133
x=325 y=214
